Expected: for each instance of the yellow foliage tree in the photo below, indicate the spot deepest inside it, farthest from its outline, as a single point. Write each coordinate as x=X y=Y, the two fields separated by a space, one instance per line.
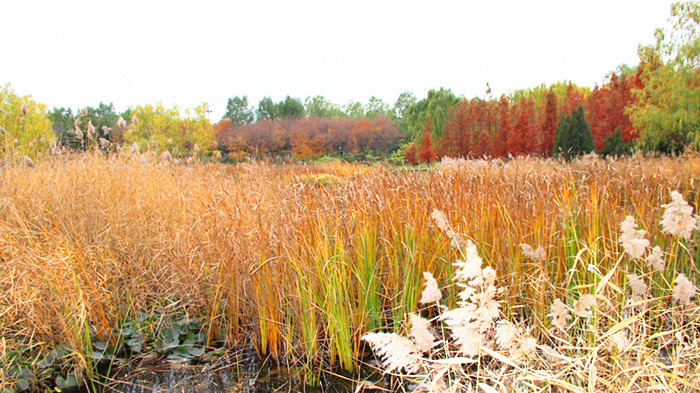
x=159 y=128
x=26 y=128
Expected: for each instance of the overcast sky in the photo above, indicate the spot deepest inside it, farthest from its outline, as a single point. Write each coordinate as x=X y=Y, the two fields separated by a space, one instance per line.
x=78 y=53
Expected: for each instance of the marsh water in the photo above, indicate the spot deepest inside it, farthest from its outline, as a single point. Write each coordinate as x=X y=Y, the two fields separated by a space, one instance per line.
x=248 y=375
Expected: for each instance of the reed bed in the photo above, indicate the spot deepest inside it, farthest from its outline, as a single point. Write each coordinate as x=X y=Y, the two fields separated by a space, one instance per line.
x=302 y=261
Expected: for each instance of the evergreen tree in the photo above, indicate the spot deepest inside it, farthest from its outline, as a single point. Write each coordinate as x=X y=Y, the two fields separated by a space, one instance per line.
x=573 y=136
x=238 y=110
x=267 y=109
x=290 y=108
x=614 y=145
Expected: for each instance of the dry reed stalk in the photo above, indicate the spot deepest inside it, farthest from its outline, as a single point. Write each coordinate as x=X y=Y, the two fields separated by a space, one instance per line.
x=138 y=235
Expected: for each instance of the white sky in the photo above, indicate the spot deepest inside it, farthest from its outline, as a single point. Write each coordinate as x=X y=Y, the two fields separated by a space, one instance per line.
x=78 y=53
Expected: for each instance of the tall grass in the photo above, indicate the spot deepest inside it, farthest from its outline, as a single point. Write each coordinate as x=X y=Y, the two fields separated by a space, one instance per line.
x=300 y=268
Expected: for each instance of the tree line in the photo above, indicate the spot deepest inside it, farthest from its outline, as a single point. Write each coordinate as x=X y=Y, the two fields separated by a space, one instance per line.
x=653 y=106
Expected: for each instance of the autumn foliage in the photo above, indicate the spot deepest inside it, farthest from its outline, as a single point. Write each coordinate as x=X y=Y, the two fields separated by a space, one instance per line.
x=525 y=122
x=307 y=137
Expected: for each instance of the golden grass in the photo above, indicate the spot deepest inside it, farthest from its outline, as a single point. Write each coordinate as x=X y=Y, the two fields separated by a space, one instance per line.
x=284 y=257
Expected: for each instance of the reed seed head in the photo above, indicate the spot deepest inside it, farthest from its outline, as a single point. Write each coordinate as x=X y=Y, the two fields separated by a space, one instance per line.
x=560 y=315
x=397 y=352
x=683 y=290
x=506 y=335
x=583 y=306
x=637 y=285
x=431 y=293
x=632 y=240
x=538 y=255
x=421 y=334
x=678 y=218
x=619 y=341
x=90 y=129
x=441 y=220
x=656 y=259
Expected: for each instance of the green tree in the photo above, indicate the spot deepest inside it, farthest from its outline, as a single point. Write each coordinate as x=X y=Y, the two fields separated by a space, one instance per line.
x=25 y=127
x=321 y=108
x=62 y=120
x=376 y=107
x=238 y=110
x=573 y=136
x=436 y=105
x=667 y=108
x=615 y=146
x=267 y=109
x=290 y=108
x=355 y=110
x=405 y=100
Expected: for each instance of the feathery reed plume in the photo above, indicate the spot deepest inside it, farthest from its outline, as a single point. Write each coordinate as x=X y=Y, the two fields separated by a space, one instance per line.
x=637 y=285
x=678 y=218
x=560 y=315
x=121 y=123
x=528 y=346
x=619 y=341
x=106 y=130
x=506 y=335
x=83 y=112
x=655 y=259
x=28 y=162
x=134 y=120
x=78 y=133
x=104 y=143
x=538 y=255
x=478 y=308
x=632 y=240
x=420 y=333
x=90 y=129
x=397 y=352
x=583 y=306
x=431 y=293
x=165 y=156
x=456 y=241
x=440 y=220
x=470 y=268
x=683 y=290
x=23 y=109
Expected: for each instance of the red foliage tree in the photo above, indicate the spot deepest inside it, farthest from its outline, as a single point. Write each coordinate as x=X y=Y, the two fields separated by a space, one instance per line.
x=426 y=152
x=605 y=109
x=454 y=141
x=522 y=136
x=572 y=99
x=504 y=127
x=411 y=154
x=550 y=120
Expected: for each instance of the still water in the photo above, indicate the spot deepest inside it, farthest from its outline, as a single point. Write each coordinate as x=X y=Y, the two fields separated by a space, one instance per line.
x=245 y=376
